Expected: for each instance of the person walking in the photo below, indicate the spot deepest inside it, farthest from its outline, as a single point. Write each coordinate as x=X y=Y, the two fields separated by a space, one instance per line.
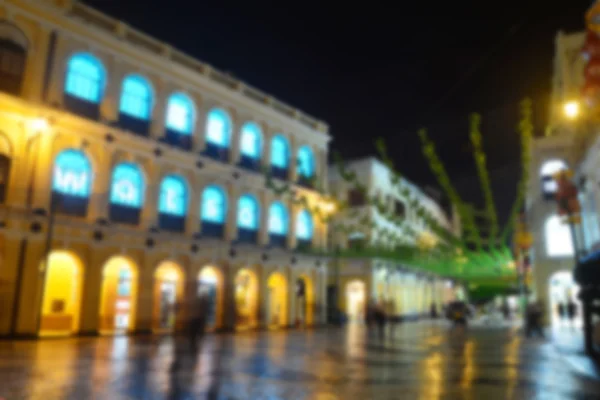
x=379 y=316
x=562 y=312
x=534 y=319
x=571 y=310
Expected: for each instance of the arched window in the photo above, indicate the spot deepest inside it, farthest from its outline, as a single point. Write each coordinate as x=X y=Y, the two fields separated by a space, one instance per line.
x=250 y=145
x=72 y=182
x=280 y=156
x=218 y=134
x=304 y=228
x=547 y=171
x=248 y=218
x=180 y=114
x=306 y=165
x=559 y=242
x=136 y=104
x=213 y=211
x=126 y=193
x=172 y=203
x=13 y=56
x=84 y=84
x=278 y=224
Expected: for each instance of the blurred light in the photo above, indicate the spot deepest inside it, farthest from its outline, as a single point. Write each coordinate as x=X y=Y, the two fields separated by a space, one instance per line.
x=328 y=207
x=572 y=109
x=40 y=125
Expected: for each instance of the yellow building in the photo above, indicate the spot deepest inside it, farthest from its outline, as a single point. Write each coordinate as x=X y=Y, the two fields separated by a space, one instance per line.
x=130 y=181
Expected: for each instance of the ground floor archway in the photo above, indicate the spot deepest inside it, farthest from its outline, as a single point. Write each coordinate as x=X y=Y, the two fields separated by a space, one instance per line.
x=210 y=285
x=168 y=291
x=563 y=297
x=246 y=299
x=61 y=303
x=277 y=292
x=119 y=295
x=305 y=300
x=355 y=300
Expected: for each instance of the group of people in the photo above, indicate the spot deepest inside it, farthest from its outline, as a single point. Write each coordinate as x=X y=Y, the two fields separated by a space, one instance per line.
x=567 y=312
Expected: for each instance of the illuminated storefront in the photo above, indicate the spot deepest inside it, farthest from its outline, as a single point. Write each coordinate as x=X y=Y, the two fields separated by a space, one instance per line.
x=277 y=292
x=246 y=299
x=119 y=294
x=210 y=285
x=356 y=300
x=168 y=291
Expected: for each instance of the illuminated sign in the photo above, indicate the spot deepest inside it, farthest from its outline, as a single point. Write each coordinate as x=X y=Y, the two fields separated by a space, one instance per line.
x=247 y=216
x=213 y=205
x=127 y=186
x=72 y=174
x=173 y=196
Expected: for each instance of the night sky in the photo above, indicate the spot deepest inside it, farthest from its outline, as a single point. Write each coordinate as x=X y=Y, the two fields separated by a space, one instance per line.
x=370 y=70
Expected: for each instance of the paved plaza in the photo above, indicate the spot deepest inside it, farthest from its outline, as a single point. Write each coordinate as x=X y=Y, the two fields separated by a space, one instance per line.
x=423 y=360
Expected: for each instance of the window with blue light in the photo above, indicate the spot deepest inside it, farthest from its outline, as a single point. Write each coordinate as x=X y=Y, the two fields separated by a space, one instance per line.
x=136 y=97
x=214 y=205
x=127 y=188
x=180 y=114
x=85 y=78
x=306 y=162
x=280 y=153
x=304 y=226
x=72 y=174
x=251 y=140
x=278 y=219
x=218 y=128
x=247 y=213
x=173 y=196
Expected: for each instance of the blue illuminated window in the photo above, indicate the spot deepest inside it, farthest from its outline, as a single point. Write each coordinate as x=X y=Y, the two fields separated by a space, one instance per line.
x=214 y=205
x=218 y=128
x=306 y=162
x=251 y=140
x=127 y=188
x=278 y=219
x=180 y=114
x=247 y=213
x=72 y=174
x=136 y=97
x=304 y=226
x=280 y=152
x=85 y=78
x=173 y=196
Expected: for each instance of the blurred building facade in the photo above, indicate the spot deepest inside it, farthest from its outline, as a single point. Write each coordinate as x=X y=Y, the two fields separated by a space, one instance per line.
x=407 y=291
x=131 y=179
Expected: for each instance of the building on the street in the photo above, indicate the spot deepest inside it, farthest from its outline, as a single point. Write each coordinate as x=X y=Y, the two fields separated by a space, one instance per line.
x=407 y=291
x=570 y=142
x=130 y=178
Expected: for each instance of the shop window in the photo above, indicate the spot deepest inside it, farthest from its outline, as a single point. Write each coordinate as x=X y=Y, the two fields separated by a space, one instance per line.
x=136 y=105
x=213 y=211
x=126 y=194
x=399 y=209
x=172 y=203
x=218 y=134
x=84 y=85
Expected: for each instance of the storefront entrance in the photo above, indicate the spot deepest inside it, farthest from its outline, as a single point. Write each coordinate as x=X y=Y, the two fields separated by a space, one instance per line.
x=563 y=298
x=210 y=285
x=355 y=301
x=277 y=301
x=305 y=302
x=246 y=299
x=119 y=294
x=62 y=295
x=168 y=291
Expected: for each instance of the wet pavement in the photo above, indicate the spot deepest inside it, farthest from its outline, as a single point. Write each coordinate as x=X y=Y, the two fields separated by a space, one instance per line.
x=422 y=360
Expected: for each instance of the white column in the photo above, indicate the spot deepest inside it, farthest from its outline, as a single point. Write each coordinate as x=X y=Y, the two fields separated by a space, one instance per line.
x=157 y=128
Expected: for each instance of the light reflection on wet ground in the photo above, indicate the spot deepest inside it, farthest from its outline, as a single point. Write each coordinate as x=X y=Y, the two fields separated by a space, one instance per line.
x=415 y=361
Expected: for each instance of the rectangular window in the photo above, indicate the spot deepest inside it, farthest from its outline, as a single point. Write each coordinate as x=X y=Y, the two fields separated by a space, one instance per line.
x=399 y=209
x=356 y=198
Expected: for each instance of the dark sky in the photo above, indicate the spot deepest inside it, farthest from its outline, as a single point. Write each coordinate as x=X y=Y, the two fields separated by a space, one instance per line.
x=371 y=70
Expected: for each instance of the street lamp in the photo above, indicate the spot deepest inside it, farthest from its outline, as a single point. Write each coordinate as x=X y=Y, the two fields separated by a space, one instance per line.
x=572 y=109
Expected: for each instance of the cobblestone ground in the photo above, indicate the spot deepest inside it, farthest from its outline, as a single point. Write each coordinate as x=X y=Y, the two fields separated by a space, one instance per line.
x=422 y=360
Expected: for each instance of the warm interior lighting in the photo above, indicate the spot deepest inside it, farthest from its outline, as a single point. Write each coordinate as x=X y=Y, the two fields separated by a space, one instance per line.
x=328 y=207
x=572 y=109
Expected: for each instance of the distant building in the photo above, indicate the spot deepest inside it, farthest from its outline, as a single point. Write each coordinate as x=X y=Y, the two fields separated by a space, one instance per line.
x=407 y=291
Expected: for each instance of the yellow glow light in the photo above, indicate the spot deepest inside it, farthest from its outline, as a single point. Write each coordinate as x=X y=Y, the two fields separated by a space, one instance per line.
x=572 y=109
x=39 y=125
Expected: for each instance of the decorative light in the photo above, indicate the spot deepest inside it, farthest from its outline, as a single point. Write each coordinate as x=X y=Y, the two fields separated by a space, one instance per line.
x=40 y=125
x=572 y=109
